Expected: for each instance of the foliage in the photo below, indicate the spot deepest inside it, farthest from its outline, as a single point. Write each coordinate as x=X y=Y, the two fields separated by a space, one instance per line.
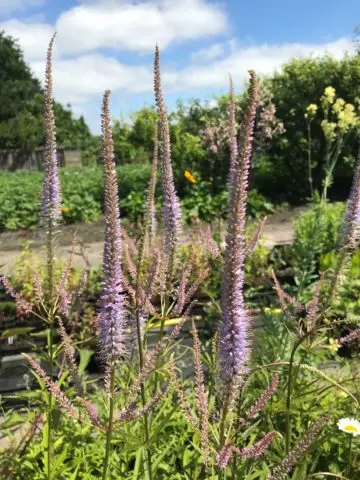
x=18 y=83
x=21 y=113
x=82 y=195
x=348 y=302
x=339 y=119
x=254 y=410
x=299 y=83
x=317 y=232
x=199 y=205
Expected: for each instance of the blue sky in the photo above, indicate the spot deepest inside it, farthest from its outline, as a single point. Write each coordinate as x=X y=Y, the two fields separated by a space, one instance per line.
x=109 y=44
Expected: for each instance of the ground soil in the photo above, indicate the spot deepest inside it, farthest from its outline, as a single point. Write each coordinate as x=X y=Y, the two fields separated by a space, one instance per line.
x=278 y=230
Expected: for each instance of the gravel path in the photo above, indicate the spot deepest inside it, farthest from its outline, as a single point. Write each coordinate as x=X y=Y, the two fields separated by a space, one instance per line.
x=278 y=230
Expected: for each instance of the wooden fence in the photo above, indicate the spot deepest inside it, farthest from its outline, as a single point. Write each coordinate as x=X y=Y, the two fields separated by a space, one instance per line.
x=12 y=160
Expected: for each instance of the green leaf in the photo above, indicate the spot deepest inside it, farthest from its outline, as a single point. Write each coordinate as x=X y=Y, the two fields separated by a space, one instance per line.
x=14 y=419
x=85 y=356
x=138 y=463
x=13 y=332
x=328 y=379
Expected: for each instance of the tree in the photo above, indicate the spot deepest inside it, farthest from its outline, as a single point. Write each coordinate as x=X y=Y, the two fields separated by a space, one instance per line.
x=21 y=106
x=18 y=85
x=282 y=171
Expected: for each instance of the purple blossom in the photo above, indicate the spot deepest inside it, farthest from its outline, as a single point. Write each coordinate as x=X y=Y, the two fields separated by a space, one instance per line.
x=351 y=337
x=234 y=325
x=23 y=307
x=255 y=451
x=225 y=455
x=50 y=208
x=54 y=389
x=232 y=134
x=264 y=397
x=171 y=209
x=111 y=320
x=259 y=448
x=291 y=459
x=351 y=228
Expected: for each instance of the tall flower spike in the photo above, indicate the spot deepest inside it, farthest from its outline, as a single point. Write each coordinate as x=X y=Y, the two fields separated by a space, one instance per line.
x=264 y=397
x=50 y=208
x=234 y=329
x=111 y=320
x=252 y=243
x=54 y=389
x=23 y=307
x=351 y=228
x=151 y=210
x=255 y=451
x=291 y=459
x=232 y=133
x=171 y=209
x=351 y=337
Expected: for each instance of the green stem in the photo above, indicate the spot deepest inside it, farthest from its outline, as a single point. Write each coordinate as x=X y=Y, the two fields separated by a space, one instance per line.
x=143 y=395
x=50 y=403
x=350 y=455
x=290 y=382
x=50 y=299
x=110 y=424
x=222 y=427
x=237 y=427
x=288 y=400
x=309 y=160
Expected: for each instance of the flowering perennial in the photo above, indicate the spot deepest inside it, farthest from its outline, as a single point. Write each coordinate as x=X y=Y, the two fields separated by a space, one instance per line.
x=50 y=209
x=111 y=321
x=234 y=327
x=171 y=209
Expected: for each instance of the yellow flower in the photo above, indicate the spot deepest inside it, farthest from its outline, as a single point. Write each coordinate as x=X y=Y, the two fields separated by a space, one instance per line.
x=329 y=95
x=311 y=110
x=338 y=105
x=329 y=129
x=65 y=210
x=189 y=176
x=349 y=425
x=273 y=311
x=334 y=344
x=341 y=393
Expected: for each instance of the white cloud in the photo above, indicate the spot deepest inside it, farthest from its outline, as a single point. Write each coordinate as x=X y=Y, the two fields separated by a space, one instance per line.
x=81 y=72
x=209 y=53
x=264 y=59
x=33 y=37
x=8 y=6
x=122 y=26
x=137 y=26
x=85 y=78
x=214 y=51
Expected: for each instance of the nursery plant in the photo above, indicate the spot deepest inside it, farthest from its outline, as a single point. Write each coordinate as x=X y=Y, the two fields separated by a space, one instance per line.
x=261 y=404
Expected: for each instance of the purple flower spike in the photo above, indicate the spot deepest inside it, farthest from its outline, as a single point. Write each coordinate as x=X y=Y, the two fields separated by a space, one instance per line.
x=232 y=134
x=50 y=208
x=111 y=320
x=234 y=329
x=171 y=210
x=351 y=228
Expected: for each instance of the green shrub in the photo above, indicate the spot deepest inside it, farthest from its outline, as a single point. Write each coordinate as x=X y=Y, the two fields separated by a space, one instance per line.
x=82 y=192
x=316 y=233
x=19 y=200
x=200 y=204
x=348 y=300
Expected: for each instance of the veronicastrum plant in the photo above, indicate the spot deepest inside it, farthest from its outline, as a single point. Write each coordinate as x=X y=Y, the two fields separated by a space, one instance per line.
x=133 y=425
